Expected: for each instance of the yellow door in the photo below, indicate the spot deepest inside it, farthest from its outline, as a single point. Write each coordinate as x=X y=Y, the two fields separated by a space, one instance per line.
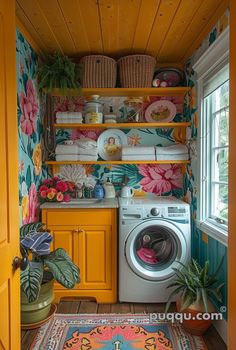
x=9 y=225
x=93 y=254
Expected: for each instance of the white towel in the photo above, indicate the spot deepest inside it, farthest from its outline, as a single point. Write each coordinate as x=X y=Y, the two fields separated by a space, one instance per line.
x=67 y=149
x=178 y=148
x=183 y=156
x=133 y=150
x=68 y=114
x=86 y=142
x=87 y=157
x=88 y=151
x=139 y=157
x=61 y=157
x=69 y=121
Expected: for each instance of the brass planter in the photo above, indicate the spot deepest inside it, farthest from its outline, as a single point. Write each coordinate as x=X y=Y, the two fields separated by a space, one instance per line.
x=39 y=309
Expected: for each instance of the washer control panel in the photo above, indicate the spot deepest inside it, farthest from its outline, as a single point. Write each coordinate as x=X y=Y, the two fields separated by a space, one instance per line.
x=155 y=211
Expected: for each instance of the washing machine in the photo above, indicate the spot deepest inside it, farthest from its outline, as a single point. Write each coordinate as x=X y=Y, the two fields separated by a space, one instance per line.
x=154 y=235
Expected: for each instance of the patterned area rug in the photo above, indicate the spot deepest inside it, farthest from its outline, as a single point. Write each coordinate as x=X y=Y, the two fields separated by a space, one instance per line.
x=113 y=332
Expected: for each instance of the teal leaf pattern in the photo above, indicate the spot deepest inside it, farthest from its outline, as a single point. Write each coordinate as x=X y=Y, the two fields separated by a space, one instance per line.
x=31 y=279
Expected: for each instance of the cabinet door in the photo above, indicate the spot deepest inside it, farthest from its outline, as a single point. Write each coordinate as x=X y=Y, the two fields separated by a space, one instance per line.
x=63 y=237
x=93 y=252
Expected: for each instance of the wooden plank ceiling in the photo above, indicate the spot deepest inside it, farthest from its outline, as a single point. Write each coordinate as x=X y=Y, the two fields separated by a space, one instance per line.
x=166 y=29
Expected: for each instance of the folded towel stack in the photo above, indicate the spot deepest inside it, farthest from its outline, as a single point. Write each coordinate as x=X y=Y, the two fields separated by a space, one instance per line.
x=174 y=152
x=84 y=149
x=87 y=149
x=69 y=117
x=67 y=152
x=138 y=153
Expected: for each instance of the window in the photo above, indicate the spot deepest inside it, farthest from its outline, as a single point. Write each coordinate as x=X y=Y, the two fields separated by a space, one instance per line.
x=213 y=91
x=216 y=120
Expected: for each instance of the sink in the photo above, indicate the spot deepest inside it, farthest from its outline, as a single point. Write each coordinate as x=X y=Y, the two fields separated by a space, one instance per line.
x=82 y=201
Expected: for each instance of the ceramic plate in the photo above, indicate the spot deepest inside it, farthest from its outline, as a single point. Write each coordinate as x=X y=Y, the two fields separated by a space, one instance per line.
x=162 y=111
x=110 y=143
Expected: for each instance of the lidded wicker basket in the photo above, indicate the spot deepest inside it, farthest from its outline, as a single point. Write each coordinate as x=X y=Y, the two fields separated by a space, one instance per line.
x=136 y=71
x=98 y=71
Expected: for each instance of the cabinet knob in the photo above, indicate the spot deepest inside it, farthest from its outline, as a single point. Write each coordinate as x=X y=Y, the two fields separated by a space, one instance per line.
x=75 y=231
x=78 y=231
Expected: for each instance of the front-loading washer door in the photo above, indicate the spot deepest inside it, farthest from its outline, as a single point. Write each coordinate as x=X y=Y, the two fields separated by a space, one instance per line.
x=154 y=247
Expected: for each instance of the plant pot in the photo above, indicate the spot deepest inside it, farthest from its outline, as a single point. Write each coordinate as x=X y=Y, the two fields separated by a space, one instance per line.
x=39 y=309
x=194 y=326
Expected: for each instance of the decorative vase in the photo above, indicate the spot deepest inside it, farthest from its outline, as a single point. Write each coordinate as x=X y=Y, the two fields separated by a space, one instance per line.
x=39 y=309
x=195 y=326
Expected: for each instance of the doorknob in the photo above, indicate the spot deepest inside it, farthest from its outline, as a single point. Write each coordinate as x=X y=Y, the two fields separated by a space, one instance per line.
x=21 y=263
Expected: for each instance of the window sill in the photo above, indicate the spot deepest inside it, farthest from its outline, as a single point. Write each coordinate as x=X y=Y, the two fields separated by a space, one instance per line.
x=213 y=230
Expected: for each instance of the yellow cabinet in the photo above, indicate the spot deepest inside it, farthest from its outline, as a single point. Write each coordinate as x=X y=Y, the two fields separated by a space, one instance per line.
x=89 y=237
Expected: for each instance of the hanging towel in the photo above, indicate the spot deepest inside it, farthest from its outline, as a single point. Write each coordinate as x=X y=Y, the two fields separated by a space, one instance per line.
x=69 y=157
x=183 y=156
x=133 y=150
x=138 y=157
x=178 y=148
x=67 y=149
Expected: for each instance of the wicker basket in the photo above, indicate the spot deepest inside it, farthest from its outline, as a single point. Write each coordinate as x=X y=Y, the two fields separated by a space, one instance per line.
x=136 y=71
x=98 y=71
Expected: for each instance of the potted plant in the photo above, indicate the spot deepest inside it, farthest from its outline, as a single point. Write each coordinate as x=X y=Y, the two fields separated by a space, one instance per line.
x=43 y=268
x=58 y=71
x=194 y=285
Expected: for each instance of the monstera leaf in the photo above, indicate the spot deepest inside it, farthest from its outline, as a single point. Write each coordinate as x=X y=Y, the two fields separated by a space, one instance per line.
x=62 y=268
x=31 y=279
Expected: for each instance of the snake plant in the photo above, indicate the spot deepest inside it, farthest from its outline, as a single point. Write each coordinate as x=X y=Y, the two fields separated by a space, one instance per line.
x=58 y=71
x=194 y=283
x=43 y=264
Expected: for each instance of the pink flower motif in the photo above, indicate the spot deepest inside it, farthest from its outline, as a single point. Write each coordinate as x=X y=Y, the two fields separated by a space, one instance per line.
x=43 y=188
x=33 y=206
x=21 y=166
x=160 y=179
x=90 y=133
x=29 y=109
x=62 y=186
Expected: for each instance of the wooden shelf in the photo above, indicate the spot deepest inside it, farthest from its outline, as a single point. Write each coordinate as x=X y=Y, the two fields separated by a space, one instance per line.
x=121 y=125
x=169 y=91
x=117 y=162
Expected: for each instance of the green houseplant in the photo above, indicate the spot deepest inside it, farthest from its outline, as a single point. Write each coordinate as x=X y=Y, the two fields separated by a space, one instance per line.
x=194 y=285
x=43 y=267
x=58 y=71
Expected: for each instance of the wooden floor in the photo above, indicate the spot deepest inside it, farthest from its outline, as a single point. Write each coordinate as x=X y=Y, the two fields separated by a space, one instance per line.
x=211 y=337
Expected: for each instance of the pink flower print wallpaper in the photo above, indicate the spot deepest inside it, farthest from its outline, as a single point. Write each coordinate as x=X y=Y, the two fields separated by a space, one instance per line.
x=31 y=170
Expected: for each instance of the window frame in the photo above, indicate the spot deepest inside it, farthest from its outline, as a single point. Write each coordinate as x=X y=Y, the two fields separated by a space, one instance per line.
x=207 y=66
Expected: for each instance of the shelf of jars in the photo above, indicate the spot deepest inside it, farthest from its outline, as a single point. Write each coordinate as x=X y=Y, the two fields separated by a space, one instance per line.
x=167 y=91
x=121 y=125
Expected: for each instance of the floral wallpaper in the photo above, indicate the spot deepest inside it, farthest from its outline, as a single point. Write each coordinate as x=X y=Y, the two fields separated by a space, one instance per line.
x=166 y=179
x=31 y=170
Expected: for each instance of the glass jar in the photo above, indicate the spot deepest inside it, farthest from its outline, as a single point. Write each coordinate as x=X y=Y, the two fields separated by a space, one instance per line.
x=133 y=109
x=94 y=111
